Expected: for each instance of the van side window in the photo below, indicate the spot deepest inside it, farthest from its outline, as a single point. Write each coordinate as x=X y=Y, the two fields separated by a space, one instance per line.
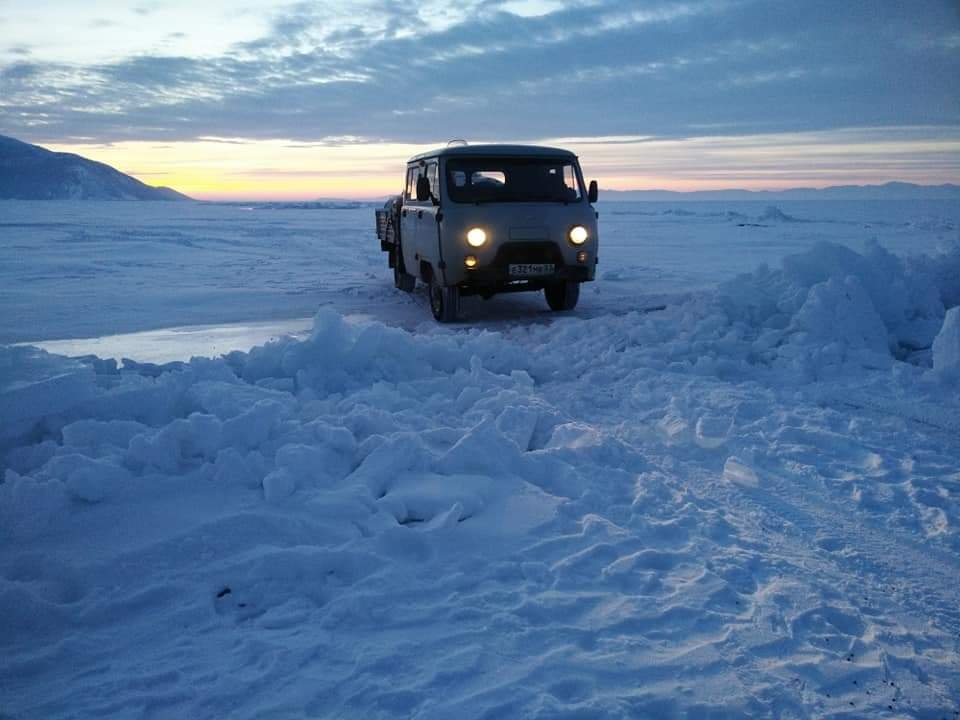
x=413 y=173
x=433 y=176
x=570 y=180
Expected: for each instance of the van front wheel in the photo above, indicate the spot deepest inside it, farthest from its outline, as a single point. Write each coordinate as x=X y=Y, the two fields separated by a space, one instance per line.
x=562 y=295
x=444 y=302
x=401 y=279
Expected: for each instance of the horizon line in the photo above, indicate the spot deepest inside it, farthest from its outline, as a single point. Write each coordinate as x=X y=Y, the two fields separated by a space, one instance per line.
x=775 y=191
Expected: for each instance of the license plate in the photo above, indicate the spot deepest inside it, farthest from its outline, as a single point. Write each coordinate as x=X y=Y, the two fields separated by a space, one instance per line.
x=529 y=269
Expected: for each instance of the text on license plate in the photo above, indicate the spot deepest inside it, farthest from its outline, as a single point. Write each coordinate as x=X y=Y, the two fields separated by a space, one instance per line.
x=527 y=269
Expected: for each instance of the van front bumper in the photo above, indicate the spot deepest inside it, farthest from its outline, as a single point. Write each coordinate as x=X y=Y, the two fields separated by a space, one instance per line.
x=486 y=280
x=495 y=277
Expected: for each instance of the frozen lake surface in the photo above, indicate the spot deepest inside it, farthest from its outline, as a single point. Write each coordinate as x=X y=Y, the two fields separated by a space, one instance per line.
x=745 y=503
x=88 y=269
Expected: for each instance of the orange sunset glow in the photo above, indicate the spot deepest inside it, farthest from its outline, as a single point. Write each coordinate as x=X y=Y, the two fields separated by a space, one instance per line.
x=243 y=169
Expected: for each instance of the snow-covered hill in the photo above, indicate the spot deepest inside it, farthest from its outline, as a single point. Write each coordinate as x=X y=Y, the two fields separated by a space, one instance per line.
x=30 y=172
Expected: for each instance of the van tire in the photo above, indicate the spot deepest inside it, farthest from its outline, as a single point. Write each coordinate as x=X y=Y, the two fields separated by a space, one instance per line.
x=401 y=279
x=562 y=295
x=444 y=302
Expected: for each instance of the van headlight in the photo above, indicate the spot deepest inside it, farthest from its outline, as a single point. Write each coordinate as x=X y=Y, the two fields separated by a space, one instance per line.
x=476 y=237
x=578 y=234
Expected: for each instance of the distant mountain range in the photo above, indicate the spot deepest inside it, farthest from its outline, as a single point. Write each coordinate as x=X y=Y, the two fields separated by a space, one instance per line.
x=887 y=191
x=30 y=172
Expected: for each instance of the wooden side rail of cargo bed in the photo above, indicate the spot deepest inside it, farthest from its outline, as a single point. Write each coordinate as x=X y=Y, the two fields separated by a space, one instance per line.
x=388 y=228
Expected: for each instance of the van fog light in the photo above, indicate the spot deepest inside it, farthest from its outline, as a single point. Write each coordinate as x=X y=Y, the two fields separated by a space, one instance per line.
x=476 y=237
x=578 y=234
x=470 y=261
x=582 y=256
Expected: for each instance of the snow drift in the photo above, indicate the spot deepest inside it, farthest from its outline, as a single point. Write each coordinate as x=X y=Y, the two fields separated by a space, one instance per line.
x=832 y=304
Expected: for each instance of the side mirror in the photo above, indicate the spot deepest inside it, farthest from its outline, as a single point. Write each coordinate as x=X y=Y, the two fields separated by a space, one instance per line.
x=423 y=188
x=592 y=192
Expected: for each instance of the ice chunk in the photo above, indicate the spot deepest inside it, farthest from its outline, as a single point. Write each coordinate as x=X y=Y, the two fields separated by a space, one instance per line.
x=229 y=399
x=27 y=505
x=279 y=484
x=775 y=214
x=483 y=450
x=712 y=430
x=946 y=346
x=518 y=422
x=88 y=479
x=317 y=464
x=35 y=384
x=181 y=441
x=839 y=310
x=252 y=428
x=232 y=468
x=101 y=435
x=738 y=472
x=442 y=500
x=673 y=427
x=447 y=519
x=574 y=435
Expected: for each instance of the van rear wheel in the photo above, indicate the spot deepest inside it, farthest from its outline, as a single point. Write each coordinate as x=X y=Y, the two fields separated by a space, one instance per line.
x=562 y=295
x=444 y=302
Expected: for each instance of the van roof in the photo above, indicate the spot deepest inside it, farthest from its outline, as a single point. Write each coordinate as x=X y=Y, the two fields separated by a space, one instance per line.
x=494 y=150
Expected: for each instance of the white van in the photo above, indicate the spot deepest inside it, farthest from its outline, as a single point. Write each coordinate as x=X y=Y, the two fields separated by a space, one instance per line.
x=488 y=219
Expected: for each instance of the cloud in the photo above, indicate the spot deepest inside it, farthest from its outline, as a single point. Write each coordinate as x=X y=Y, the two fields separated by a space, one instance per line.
x=669 y=68
x=146 y=8
x=774 y=159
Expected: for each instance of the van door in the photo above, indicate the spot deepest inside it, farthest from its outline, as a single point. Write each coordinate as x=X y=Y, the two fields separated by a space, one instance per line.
x=427 y=230
x=408 y=222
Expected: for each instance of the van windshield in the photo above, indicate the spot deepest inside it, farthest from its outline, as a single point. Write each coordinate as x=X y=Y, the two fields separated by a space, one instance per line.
x=483 y=180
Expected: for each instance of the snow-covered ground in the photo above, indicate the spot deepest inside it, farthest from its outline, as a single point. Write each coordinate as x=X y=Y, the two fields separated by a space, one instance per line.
x=93 y=269
x=742 y=504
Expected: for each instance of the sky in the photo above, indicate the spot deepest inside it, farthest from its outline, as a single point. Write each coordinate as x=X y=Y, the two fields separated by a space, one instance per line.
x=249 y=99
